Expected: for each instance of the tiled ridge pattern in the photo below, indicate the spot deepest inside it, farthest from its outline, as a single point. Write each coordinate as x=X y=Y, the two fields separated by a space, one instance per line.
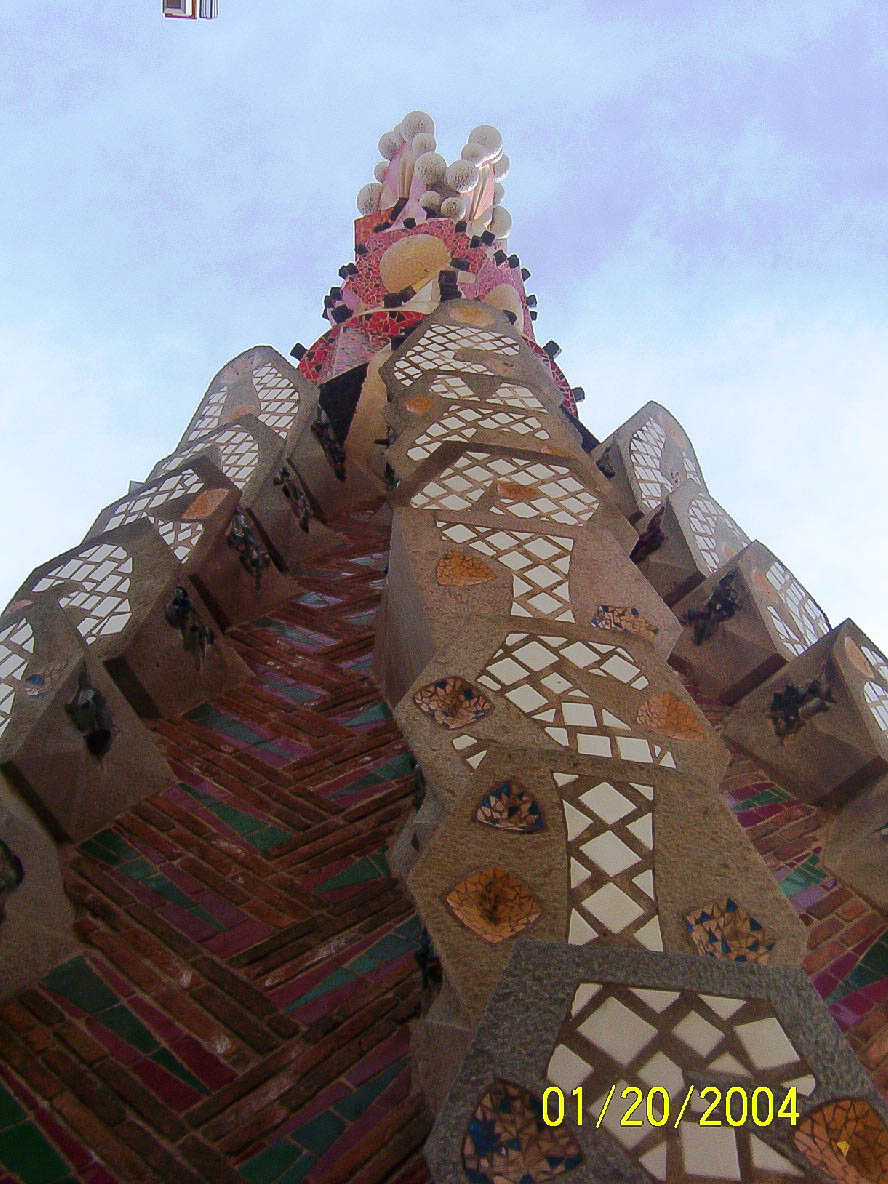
x=847 y=938
x=239 y=1009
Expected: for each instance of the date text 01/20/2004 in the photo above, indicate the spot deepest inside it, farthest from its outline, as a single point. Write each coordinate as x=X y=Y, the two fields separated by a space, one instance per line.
x=740 y=1105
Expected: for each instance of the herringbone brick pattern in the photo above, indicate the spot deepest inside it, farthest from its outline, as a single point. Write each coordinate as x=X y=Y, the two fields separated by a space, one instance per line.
x=239 y=1010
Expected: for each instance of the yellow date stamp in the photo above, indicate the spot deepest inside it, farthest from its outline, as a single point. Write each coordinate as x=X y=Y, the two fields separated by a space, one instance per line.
x=656 y=1106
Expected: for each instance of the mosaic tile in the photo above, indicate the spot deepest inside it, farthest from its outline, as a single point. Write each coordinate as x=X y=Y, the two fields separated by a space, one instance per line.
x=846 y=1140
x=453 y=702
x=724 y=929
x=461 y=571
x=629 y=620
x=494 y=904
x=508 y=1142
x=511 y=806
x=670 y=716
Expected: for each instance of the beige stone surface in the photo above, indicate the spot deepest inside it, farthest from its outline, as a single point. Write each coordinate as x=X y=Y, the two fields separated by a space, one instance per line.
x=855 y=844
x=839 y=751
x=776 y=621
x=699 y=536
x=650 y=456
x=37 y=932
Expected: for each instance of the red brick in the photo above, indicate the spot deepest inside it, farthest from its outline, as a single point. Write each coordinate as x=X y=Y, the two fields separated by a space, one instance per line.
x=820 y=932
x=823 y=956
x=876 y=1051
x=852 y=909
x=866 y=927
x=828 y=904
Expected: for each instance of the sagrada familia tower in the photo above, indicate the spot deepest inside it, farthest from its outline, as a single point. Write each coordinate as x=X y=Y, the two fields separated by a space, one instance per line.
x=402 y=783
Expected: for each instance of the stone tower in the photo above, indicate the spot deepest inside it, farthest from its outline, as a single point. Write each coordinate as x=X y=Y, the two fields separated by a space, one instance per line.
x=402 y=783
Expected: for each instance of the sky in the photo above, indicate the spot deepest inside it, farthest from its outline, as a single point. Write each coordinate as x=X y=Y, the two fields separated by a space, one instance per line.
x=700 y=190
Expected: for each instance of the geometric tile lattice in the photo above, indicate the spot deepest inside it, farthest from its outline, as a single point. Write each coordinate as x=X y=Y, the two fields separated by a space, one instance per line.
x=846 y=1140
x=526 y=487
x=672 y=717
x=540 y=565
x=610 y=844
x=646 y=457
x=493 y=903
x=463 y=422
x=531 y=673
x=798 y=619
x=103 y=574
x=16 y=647
x=507 y=394
x=508 y=1142
x=717 y=535
x=438 y=347
x=653 y=1038
x=452 y=702
x=724 y=929
x=510 y=806
x=238 y=454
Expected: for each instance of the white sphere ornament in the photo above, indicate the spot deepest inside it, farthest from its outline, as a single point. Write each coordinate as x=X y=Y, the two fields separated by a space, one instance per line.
x=453 y=207
x=499 y=193
x=414 y=123
x=488 y=138
x=423 y=142
x=501 y=167
x=380 y=170
x=431 y=200
x=474 y=153
x=462 y=176
x=389 y=143
x=500 y=221
x=430 y=168
x=368 y=197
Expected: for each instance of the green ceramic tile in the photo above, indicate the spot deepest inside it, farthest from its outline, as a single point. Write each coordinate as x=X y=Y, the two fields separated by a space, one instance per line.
x=121 y=1021
x=337 y=979
x=109 y=846
x=763 y=798
x=371 y=715
x=876 y=957
x=25 y=1151
x=410 y=930
x=205 y=714
x=858 y=978
x=166 y=1060
x=298 y=1171
x=10 y=1111
x=266 y=1167
x=359 y=872
x=77 y=982
x=137 y=869
x=243 y=823
x=401 y=766
x=317 y=1135
x=355 y=1104
x=267 y=837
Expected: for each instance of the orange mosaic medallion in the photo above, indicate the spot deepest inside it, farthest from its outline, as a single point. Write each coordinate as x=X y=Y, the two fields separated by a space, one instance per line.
x=205 y=503
x=846 y=1140
x=419 y=404
x=493 y=903
x=514 y=492
x=724 y=929
x=507 y=1140
x=856 y=657
x=461 y=571
x=630 y=620
x=452 y=702
x=671 y=717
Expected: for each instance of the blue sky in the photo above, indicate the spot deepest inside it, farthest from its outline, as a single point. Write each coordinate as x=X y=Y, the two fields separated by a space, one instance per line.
x=700 y=191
